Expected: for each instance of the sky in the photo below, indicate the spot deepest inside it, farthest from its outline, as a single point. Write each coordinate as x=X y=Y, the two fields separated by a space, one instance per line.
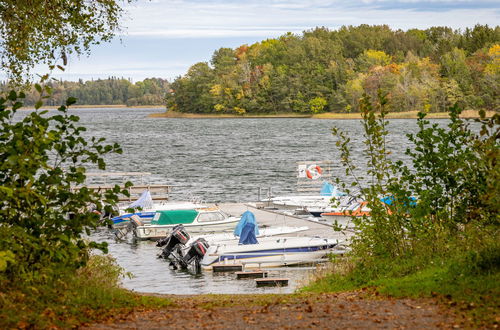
x=163 y=38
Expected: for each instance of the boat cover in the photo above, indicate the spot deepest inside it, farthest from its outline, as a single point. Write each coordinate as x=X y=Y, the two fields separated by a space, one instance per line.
x=390 y=199
x=248 y=234
x=326 y=189
x=172 y=217
x=330 y=190
x=246 y=217
x=145 y=201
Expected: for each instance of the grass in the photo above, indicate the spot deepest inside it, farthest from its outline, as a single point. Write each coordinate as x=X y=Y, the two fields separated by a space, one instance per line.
x=90 y=295
x=473 y=296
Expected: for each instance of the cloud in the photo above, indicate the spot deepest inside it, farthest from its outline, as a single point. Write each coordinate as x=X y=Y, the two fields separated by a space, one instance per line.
x=214 y=18
x=163 y=38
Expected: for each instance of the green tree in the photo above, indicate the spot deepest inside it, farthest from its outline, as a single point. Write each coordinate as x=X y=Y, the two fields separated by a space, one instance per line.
x=442 y=203
x=43 y=220
x=36 y=32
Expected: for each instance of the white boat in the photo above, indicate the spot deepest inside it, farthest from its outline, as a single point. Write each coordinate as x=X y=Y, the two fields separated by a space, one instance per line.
x=321 y=201
x=271 y=252
x=263 y=232
x=344 y=216
x=195 y=220
x=145 y=209
x=345 y=204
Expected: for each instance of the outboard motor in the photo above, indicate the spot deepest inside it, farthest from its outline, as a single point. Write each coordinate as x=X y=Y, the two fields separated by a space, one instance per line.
x=179 y=235
x=195 y=253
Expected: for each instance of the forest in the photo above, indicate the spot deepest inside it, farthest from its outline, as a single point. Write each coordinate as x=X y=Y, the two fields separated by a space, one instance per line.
x=111 y=91
x=326 y=70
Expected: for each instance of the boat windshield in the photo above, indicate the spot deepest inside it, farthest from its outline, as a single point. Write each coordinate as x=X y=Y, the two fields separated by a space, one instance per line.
x=211 y=216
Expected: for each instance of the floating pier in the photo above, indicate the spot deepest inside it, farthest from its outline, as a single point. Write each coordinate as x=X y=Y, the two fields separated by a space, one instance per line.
x=104 y=181
x=219 y=268
x=271 y=281
x=251 y=274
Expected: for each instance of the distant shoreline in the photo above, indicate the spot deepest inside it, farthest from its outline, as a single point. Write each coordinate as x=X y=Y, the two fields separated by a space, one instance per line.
x=99 y=106
x=328 y=115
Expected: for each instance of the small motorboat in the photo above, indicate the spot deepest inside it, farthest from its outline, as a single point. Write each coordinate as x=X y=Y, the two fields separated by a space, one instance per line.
x=267 y=251
x=195 y=220
x=145 y=209
x=272 y=252
x=322 y=200
x=248 y=217
x=343 y=215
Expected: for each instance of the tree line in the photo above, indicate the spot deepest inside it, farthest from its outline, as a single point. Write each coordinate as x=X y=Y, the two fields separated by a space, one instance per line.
x=325 y=70
x=111 y=91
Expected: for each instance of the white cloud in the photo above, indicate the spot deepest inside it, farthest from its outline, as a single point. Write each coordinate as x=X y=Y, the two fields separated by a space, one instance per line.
x=185 y=19
x=165 y=37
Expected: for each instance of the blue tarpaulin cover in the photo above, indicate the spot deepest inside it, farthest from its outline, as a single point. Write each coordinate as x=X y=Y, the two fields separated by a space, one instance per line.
x=247 y=217
x=248 y=234
x=330 y=190
x=326 y=189
x=390 y=199
x=144 y=201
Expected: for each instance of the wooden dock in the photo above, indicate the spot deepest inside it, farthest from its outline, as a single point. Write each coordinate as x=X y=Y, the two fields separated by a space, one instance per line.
x=105 y=181
x=221 y=267
x=251 y=274
x=270 y=281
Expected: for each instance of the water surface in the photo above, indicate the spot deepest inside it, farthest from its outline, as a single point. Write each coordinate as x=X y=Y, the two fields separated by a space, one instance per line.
x=218 y=160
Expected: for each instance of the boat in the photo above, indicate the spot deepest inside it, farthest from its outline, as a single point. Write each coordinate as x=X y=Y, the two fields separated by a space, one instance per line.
x=271 y=252
x=344 y=216
x=266 y=251
x=145 y=209
x=346 y=203
x=327 y=193
x=195 y=220
x=247 y=217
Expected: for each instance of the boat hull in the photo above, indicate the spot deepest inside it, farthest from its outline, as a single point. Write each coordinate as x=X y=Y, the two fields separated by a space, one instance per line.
x=160 y=231
x=271 y=252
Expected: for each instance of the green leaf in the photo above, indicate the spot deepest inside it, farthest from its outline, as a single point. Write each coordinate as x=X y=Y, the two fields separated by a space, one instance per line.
x=17 y=105
x=38 y=104
x=12 y=96
x=71 y=100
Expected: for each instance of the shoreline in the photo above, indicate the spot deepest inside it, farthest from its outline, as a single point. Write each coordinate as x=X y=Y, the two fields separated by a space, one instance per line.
x=97 y=106
x=468 y=114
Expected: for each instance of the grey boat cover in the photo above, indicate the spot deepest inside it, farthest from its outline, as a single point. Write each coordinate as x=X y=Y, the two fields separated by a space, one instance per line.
x=145 y=201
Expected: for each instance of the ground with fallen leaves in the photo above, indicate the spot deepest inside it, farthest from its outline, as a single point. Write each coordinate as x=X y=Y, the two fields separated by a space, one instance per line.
x=353 y=310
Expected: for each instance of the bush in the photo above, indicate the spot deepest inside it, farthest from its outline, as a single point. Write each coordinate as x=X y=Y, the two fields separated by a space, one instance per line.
x=42 y=218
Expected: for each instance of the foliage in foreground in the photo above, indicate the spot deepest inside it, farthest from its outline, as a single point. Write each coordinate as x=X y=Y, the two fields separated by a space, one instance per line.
x=44 y=221
x=89 y=295
x=38 y=32
x=438 y=235
x=47 y=277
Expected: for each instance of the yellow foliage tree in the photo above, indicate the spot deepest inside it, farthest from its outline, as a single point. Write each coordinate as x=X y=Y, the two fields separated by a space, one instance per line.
x=494 y=66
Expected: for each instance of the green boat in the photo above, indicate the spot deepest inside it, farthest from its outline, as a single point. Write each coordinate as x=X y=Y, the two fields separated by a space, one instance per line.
x=200 y=220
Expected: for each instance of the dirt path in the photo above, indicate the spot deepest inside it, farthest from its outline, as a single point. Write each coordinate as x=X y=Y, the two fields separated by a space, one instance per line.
x=353 y=310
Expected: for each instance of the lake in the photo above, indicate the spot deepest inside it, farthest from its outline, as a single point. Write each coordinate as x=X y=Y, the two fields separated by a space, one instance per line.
x=217 y=160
